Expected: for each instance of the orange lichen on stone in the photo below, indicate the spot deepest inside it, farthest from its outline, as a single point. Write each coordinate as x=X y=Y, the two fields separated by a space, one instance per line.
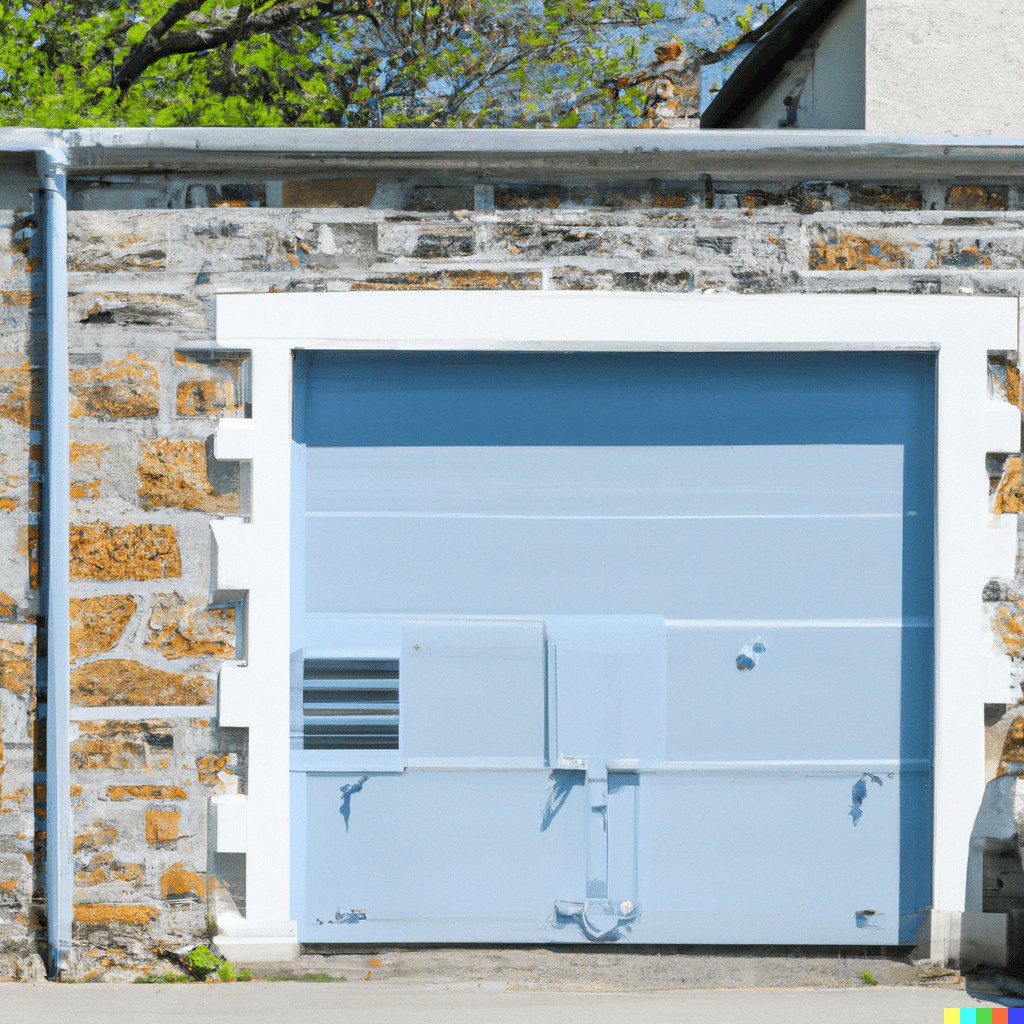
x=1012 y=759
x=145 y=793
x=81 y=452
x=28 y=548
x=98 y=622
x=110 y=754
x=162 y=826
x=215 y=771
x=126 y=388
x=976 y=197
x=177 y=882
x=174 y=474
x=205 y=397
x=188 y=629
x=1011 y=385
x=94 y=838
x=114 y=913
x=118 y=681
x=17 y=666
x=839 y=251
x=1010 y=494
x=84 y=489
x=138 y=551
x=487 y=280
x=18 y=394
x=953 y=254
x=15 y=297
x=8 y=504
x=1008 y=624
x=8 y=606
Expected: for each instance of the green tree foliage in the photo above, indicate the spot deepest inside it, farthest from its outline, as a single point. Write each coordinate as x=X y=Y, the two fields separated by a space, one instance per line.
x=71 y=63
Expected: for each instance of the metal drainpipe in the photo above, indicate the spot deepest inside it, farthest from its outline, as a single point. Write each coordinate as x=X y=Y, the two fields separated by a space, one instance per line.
x=52 y=167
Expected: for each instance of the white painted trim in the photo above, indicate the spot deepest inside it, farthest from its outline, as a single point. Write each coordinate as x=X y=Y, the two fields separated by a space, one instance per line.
x=972 y=545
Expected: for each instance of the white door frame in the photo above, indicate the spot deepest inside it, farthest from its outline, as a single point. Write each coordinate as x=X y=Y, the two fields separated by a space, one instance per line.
x=253 y=556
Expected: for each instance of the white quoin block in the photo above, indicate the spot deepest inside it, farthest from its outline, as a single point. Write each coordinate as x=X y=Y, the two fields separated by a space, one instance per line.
x=229 y=813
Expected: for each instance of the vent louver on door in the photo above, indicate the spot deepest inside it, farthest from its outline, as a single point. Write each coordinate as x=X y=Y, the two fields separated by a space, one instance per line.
x=350 y=704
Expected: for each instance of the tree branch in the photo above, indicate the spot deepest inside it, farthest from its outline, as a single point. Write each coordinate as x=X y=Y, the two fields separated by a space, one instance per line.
x=244 y=24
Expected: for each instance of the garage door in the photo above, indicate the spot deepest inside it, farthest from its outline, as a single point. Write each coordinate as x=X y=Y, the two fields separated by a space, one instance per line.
x=613 y=648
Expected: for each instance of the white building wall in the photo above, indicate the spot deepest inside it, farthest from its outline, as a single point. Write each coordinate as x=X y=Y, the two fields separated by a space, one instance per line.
x=826 y=78
x=945 y=66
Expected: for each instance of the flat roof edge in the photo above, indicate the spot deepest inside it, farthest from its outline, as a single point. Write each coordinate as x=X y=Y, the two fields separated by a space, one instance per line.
x=626 y=152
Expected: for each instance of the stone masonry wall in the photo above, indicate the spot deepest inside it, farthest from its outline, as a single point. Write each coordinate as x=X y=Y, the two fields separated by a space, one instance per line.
x=145 y=486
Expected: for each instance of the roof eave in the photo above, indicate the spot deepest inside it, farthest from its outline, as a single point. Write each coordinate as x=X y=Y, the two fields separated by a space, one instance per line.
x=497 y=154
x=779 y=42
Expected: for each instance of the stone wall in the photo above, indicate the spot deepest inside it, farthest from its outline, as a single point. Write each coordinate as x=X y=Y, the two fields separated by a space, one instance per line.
x=145 y=397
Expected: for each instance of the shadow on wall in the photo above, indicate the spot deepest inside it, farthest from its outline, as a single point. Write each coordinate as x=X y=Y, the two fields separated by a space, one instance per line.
x=995 y=868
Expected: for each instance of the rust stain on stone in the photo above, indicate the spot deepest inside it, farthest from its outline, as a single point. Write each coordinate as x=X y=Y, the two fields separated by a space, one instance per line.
x=120 y=682
x=188 y=629
x=162 y=826
x=126 y=388
x=840 y=251
x=177 y=882
x=114 y=913
x=138 y=551
x=98 y=622
x=174 y=474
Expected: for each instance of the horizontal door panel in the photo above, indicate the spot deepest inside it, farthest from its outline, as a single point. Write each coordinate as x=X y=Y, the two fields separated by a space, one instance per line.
x=637 y=481
x=771 y=858
x=444 y=854
x=731 y=567
x=768 y=690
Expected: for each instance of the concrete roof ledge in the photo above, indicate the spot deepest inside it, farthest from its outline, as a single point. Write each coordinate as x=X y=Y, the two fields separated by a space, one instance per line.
x=737 y=154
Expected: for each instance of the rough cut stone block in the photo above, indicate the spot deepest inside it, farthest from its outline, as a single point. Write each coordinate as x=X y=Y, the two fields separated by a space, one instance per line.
x=119 y=681
x=126 y=388
x=181 y=628
x=175 y=474
x=98 y=622
x=138 y=551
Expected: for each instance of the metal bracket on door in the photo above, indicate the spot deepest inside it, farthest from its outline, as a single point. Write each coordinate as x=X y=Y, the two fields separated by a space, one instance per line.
x=611 y=856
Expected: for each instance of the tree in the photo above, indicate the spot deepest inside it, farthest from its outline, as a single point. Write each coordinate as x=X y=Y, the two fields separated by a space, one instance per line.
x=70 y=63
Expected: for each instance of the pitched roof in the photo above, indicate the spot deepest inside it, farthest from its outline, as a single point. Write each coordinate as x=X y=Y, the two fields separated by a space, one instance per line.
x=778 y=40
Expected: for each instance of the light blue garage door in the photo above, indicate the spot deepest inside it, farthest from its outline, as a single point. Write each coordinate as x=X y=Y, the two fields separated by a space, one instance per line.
x=613 y=648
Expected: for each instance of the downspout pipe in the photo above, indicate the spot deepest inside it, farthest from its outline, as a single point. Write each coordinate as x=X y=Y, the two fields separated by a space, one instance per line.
x=52 y=164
